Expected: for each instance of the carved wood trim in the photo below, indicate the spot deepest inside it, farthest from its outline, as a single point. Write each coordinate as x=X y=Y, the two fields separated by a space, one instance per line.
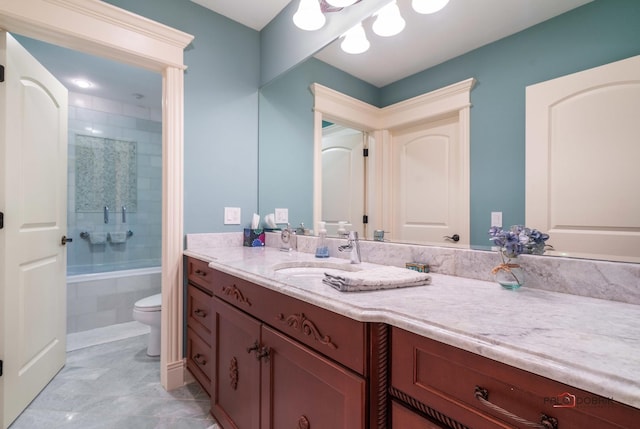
x=383 y=374
x=303 y=423
x=434 y=414
x=300 y=323
x=236 y=293
x=233 y=373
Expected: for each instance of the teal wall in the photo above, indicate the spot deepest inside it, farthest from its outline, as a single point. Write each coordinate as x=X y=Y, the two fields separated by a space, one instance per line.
x=222 y=103
x=286 y=136
x=221 y=112
x=597 y=33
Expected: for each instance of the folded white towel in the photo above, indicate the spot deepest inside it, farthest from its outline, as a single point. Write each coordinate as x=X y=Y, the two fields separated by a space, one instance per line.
x=118 y=237
x=97 y=237
x=376 y=278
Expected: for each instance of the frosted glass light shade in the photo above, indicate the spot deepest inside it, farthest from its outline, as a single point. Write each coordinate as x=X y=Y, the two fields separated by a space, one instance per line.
x=388 y=21
x=309 y=17
x=355 y=40
x=341 y=3
x=428 y=6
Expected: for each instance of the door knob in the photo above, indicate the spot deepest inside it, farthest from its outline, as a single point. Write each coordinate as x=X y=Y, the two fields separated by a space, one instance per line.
x=64 y=240
x=455 y=238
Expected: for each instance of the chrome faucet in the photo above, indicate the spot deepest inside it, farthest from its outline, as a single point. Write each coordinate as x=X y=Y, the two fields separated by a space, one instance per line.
x=288 y=239
x=353 y=244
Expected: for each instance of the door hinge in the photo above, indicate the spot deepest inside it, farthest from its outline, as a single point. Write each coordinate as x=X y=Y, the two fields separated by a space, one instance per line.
x=365 y=152
x=1 y=220
x=365 y=219
x=1 y=73
x=0 y=368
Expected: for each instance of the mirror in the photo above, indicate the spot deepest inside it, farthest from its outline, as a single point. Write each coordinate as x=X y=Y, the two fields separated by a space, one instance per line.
x=497 y=151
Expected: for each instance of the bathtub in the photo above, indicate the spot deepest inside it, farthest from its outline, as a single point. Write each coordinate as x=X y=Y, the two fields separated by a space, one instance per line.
x=95 y=300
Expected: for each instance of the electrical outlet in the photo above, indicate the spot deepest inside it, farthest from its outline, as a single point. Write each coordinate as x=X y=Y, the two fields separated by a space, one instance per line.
x=282 y=215
x=232 y=215
x=496 y=219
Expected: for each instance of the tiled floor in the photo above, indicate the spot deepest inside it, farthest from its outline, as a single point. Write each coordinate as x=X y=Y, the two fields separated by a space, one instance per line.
x=115 y=385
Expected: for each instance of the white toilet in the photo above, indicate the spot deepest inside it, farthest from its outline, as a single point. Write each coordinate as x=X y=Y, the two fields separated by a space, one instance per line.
x=147 y=311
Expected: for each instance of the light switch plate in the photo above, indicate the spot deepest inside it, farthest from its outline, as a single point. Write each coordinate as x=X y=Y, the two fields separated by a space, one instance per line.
x=282 y=215
x=232 y=215
x=496 y=219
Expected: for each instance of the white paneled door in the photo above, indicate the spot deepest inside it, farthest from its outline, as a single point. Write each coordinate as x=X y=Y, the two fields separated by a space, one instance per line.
x=343 y=171
x=33 y=153
x=428 y=184
x=582 y=155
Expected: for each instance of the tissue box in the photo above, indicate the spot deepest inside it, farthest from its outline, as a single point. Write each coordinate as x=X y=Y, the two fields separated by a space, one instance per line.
x=253 y=237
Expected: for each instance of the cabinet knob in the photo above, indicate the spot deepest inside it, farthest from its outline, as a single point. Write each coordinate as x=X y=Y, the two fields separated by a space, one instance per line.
x=199 y=359
x=200 y=313
x=254 y=347
x=264 y=352
x=200 y=273
x=546 y=422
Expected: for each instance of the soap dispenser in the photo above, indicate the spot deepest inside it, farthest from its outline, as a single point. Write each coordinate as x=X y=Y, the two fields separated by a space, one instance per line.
x=322 y=250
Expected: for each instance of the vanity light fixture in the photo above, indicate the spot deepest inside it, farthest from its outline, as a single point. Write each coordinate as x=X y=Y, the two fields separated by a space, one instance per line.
x=340 y=3
x=388 y=21
x=355 y=40
x=428 y=6
x=309 y=16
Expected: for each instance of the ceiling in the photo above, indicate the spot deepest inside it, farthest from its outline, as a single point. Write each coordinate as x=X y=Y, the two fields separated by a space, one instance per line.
x=462 y=26
x=427 y=40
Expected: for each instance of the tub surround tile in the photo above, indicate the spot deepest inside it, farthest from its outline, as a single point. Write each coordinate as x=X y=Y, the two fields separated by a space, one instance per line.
x=585 y=342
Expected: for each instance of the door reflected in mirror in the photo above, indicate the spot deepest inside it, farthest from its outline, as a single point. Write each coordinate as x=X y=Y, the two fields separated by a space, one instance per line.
x=343 y=178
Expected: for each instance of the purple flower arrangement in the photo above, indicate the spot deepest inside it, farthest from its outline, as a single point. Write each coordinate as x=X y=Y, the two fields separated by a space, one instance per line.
x=518 y=240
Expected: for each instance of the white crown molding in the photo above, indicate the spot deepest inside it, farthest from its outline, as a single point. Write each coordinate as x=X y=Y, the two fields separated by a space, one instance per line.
x=98 y=28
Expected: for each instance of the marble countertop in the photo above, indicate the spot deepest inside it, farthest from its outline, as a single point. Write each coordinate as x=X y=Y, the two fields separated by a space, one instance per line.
x=588 y=343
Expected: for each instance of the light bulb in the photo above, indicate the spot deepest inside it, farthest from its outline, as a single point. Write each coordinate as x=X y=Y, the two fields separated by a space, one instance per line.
x=309 y=17
x=341 y=3
x=388 y=21
x=355 y=40
x=428 y=6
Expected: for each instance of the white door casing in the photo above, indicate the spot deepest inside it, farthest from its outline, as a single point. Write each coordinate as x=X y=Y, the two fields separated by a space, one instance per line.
x=343 y=172
x=98 y=28
x=582 y=154
x=425 y=182
x=34 y=189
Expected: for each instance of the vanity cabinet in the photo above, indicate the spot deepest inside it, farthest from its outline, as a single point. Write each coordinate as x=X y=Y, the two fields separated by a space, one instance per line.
x=199 y=322
x=279 y=362
x=264 y=379
x=451 y=388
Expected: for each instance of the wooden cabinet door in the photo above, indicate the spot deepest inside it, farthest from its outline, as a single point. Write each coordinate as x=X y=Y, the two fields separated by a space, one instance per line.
x=301 y=389
x=235 y=400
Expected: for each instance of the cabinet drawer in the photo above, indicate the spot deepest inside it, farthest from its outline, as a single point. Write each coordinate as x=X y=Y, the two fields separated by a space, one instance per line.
x=451 y=381
x=199 y=359
x=199 y=273
x=331 y=334
x=199 y=315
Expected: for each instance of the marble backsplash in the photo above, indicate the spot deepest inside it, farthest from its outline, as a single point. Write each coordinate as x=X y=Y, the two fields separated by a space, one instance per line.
x=615 y=281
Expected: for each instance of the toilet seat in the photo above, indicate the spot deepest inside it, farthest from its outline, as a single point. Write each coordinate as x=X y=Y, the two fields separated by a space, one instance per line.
x=150 y=303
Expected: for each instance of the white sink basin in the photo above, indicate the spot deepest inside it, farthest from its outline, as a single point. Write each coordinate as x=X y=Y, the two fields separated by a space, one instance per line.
x=313 y=269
